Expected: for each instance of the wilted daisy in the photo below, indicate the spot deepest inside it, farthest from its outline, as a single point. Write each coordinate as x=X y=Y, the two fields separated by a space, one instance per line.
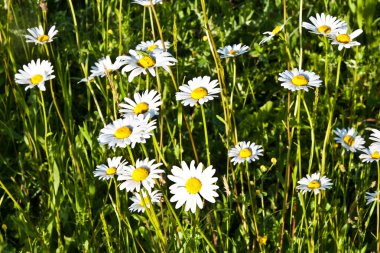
x=232 y=51
x=146 y=2
x=146 y=104
x=345 y=40
x=325 y=24
x=127 y=131
x=114 y=165
x=314 y=183
x=375 y=136
x=38 y=36
x=149 y=46
x=372 y=197
x=190 y=183
x=143 y=174
x=274 y=32
x=371 y=154
x=349 y=139
x=139 y=204
x=35 y=74
x=245 y=151
x=140 y=62
x=102 y=67
x=198 y=90
x=299 y=80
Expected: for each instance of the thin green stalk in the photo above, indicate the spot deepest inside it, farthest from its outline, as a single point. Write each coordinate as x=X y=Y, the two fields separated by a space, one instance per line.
x=206 y=135
x=378 y=209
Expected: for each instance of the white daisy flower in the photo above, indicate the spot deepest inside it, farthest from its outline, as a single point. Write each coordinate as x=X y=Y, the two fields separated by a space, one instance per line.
x=140 y=62
x=139 y=205
x=38 y=36
x=245 y=151
x=345 y=40
x=273 y=33
x=143 y=174
x=375 y=136
x=102 y=67
x=127 y=131
x=371 y=154
x=114 y=165
x=349 y=139
x=198 y=90
x=299 y=80
x=146 y=2
x=314 y=183
x=149 y=46
x=232 y=51
x=325 y=24
x=190 y=183
x=146 y=104
x=35 y=74
x=372 y=197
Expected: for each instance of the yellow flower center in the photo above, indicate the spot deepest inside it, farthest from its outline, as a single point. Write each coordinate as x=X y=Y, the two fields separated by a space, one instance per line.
x=349 y=140
x=139 y=174
x=151 y=48
x=199 y=93
x=300 y=80
x=141 y=108
x=111 y=171
x=276 y=30
x=343 y=38
x=324 y=29
x=146 y=62
x=233 y=52
x=245 y=152
x=375 y=155
x=36 y=79
x=145 y=201
x=315 y=184
x=43 y=38
x=193 y=185
x=123 y=132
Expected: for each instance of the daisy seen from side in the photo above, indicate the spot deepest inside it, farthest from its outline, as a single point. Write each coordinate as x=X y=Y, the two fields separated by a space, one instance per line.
x=273 y=33
x=141 y=175
x=299 y=80
x=102 y=67
x=245 y=151
x=345 y=40
x=314 y=183
x=149 y=46
x=198 y=90
x=37 y=35
x=349 y=139
x=109 y=170
x=140 y=204
x=233 y=51
x=146 y=103
x=191 y=184
x=372 y=197
x=371 y=154
x=324 y=24
x=35 y=74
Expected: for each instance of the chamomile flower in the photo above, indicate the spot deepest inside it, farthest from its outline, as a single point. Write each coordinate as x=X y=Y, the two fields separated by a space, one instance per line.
x=198 y=90
x=149 y=46
x=372 y=197
x=349 y=139
x=127 y=131
x=102 y=67
x=141 y=62
x=143 y=174
x=345 y=40
x=273 y=33
x=38 y=36
x=114 y=165
x=232 y=51
x=299 y=80
x=147 y=104
x=140 y=204
x=245 y=151
x=371 y=154
x=35 y=74
x=146 y=2
x=375 y=136
x=190 y=183
x=314 y=183
x=325 y=25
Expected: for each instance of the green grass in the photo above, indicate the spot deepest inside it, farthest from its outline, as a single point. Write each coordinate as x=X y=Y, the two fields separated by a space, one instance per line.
x=50 y=200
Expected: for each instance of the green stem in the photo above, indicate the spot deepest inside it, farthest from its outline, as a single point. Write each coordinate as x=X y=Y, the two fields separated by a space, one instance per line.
x=206 y=135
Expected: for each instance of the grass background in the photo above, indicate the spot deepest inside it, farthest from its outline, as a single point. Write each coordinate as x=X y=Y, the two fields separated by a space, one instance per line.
x=49 y=199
